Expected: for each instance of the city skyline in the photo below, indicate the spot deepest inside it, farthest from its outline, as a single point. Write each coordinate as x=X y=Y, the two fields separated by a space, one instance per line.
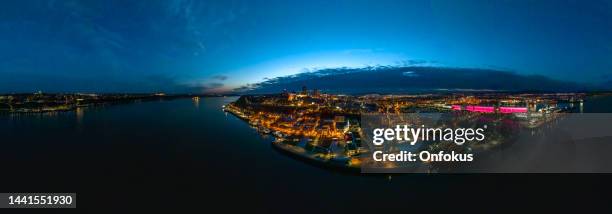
x=218 y=46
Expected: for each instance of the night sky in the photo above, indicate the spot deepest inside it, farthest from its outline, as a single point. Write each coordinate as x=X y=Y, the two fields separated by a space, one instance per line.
x=216 y=46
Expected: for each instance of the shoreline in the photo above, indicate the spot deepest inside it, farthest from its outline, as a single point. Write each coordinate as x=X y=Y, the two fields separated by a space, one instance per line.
x=292 y=152
x=328 y=164
x=74 y=107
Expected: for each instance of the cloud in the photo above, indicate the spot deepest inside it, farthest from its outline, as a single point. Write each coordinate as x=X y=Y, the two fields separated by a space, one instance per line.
x=172 y=84
x=416 y=62
x=220 y=77
x=389 y=79
x=213 y=85
x=410 y=74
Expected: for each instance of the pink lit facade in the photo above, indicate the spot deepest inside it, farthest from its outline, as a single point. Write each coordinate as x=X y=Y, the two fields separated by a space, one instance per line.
x=490 y=109
x=508 y=110
x=482 y=109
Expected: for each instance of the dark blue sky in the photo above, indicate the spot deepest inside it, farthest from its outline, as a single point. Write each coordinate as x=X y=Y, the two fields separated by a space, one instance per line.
x=139 y=46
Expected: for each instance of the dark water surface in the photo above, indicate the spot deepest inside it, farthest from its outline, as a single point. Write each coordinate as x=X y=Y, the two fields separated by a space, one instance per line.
x=180 y=154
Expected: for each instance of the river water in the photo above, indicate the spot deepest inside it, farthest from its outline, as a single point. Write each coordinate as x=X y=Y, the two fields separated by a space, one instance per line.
x=181 y=153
